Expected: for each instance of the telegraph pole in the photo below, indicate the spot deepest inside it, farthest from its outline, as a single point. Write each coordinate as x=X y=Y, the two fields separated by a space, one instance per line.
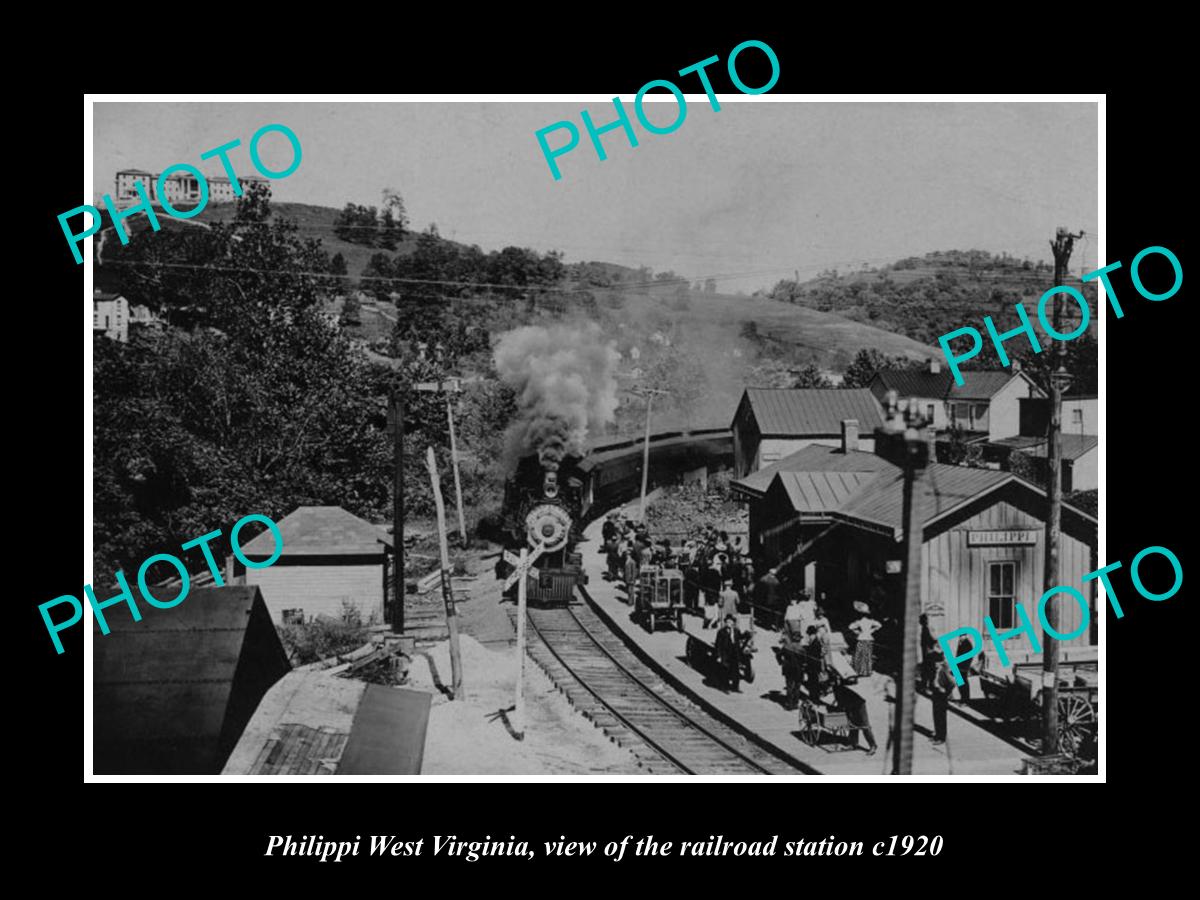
x=396 y=429
x=903 y=442
x=649 y=394
x=1059 y=380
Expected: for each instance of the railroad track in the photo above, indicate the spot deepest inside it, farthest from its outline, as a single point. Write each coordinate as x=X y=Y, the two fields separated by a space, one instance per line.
x=609 y=684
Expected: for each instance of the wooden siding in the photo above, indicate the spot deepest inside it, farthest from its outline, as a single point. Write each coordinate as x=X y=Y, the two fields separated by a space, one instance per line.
x=954 y=587
x=320 y=589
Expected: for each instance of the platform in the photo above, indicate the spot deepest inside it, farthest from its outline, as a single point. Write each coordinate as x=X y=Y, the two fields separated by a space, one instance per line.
x=758 y=710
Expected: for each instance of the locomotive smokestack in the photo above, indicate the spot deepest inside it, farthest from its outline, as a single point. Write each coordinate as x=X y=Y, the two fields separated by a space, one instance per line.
x=565 y=379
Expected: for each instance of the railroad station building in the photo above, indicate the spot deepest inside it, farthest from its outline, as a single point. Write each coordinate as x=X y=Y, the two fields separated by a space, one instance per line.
x=830 y=518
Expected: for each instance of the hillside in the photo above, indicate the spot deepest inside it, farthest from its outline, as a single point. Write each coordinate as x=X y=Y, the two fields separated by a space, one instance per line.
x=924 y=297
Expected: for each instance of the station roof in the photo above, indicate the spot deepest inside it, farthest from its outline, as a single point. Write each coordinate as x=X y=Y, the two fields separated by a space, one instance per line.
x=864 y=490
x=810 y=412
x=825 y=459
x=321 y=531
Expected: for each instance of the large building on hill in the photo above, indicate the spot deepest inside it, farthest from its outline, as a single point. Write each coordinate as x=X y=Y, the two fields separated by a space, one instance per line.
x=182 y=188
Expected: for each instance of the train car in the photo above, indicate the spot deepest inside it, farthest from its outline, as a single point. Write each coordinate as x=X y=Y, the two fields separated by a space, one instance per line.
x=543 y=505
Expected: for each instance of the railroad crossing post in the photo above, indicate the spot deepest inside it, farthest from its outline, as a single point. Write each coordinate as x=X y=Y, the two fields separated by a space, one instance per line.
x=522 y=569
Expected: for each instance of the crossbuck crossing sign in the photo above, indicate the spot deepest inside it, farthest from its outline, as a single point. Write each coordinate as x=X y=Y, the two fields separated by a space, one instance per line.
x=519 y=569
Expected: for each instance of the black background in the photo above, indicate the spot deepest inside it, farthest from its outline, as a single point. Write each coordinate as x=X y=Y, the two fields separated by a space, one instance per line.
x=214 y=831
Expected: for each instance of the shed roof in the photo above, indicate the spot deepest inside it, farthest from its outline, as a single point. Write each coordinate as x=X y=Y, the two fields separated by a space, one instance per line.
x=321 y=531
x=1073 y=445
x=810 y=412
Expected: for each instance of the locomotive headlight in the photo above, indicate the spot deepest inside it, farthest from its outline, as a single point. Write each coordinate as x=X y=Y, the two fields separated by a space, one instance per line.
x=549 y=526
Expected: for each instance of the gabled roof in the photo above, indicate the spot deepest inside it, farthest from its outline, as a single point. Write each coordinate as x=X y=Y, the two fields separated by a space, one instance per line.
x=942 y=489
x=321 y=531
x=810 y=412
x=977 y=384
x=872 y=497
x=813 y=457
x=819 y=492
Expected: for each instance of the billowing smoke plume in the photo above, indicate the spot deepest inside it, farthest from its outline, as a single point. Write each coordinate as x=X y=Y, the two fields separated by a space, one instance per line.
x=565 y=379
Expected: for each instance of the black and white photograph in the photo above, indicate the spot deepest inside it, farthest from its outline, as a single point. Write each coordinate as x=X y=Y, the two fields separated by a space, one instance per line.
x=528 y=439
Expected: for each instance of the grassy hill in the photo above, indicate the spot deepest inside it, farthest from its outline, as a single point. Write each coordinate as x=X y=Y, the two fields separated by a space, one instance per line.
x=924 y=297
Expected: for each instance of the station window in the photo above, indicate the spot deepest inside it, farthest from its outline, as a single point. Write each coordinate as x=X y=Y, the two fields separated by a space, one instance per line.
x=1077 y=417
x=1002 y=598
x=293 y=617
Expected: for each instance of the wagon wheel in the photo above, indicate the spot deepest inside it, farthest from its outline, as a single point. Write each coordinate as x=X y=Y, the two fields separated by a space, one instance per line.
x=810 y=733
x=1076 y=717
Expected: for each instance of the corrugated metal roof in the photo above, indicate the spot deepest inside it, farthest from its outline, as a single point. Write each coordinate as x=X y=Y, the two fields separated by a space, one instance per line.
x=821 y=492
x=977 y=384
x=812 y=412
x=942 y=489
x=814 y=457
x=1073 y=445
x=321 y=530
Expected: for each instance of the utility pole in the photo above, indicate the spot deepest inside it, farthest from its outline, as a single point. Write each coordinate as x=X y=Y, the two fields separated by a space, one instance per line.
x=447 y=588
x=462 y=526
x=903 y=442
x=649 y=394
x=1059 y=380
x=396 y=431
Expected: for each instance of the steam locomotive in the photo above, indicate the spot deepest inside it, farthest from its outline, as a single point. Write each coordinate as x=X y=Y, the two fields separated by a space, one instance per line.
x=543 y=505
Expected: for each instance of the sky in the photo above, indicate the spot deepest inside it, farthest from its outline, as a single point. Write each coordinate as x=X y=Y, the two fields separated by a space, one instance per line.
x=749 y=194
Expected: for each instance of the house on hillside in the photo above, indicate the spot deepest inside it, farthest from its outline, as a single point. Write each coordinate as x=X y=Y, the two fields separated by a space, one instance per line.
x=771 y=423
x=115 y=318
x=986 y=404
x=1080 y=415
x=831 y=520
x=330 y=559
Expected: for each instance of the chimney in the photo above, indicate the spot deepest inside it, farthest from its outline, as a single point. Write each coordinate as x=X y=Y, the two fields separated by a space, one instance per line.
x=935 y=366
x=849 y=435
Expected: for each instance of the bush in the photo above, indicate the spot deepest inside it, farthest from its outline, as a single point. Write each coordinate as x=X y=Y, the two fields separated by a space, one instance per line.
x=324 y=637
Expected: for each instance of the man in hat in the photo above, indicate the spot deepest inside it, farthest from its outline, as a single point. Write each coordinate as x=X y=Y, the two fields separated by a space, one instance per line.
x=864 y=628
x=943 y=684
x=729 y=653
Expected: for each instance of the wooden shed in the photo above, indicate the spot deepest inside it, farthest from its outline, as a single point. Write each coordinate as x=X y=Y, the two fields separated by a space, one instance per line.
x=173 y=692
x=331 y=559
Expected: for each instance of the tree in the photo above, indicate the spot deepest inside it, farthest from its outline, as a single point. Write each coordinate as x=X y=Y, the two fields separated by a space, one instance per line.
x=389 y=234
x=866 y=363
x=809 y=377
x=710 y=285
x=351 y=310
x=247 y=401
x=337 y=265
